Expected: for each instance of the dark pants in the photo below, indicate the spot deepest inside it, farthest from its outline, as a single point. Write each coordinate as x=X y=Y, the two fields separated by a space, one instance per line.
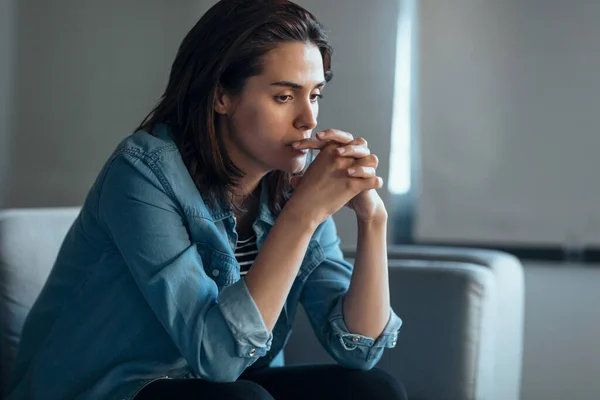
x=312 y=382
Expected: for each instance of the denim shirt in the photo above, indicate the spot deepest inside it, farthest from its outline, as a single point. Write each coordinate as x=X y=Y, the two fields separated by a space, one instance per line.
x=146 y=286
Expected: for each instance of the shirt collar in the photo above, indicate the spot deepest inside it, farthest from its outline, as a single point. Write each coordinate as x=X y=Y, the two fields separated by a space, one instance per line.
x=264 y=212
x=220 y=213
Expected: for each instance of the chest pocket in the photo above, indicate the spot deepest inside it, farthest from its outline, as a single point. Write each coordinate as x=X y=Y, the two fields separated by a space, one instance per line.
x=219 y=266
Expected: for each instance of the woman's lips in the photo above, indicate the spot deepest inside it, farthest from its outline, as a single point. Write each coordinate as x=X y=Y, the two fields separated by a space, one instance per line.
x=299 y=151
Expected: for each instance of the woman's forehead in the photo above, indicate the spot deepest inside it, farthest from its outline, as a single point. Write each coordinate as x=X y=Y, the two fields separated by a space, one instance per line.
x=295 y=62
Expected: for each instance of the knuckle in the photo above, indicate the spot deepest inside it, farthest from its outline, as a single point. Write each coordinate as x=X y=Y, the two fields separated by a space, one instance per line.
x=362 y=141
x=340 y=163
x=373 y=160
x=331 y=147
x=366 y=161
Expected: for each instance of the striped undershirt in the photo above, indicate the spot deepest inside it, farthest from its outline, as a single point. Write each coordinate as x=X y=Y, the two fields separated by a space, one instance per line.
x=245 y=253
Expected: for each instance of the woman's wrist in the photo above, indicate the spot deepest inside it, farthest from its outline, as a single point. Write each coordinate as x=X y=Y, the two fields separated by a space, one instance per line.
x=377 y=217
x=299 y=216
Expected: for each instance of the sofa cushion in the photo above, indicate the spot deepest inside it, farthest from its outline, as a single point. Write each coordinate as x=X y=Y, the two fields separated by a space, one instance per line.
x=29 y=243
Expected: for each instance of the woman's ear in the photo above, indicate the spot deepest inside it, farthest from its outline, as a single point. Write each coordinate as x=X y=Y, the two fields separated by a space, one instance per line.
x=222 y=102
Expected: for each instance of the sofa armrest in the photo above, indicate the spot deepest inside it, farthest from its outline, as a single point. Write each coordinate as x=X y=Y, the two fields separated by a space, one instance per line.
x=510 y=312
x=445 y=346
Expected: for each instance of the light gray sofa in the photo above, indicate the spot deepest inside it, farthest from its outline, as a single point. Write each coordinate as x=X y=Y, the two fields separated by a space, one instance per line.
x=462 y=310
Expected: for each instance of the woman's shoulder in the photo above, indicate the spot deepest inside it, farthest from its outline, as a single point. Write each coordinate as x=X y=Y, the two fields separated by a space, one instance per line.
x=146 y=163
x=154 y=150
x=150 y=144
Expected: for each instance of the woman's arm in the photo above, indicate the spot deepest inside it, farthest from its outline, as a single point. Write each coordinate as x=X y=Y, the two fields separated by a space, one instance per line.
x=357 y=322
x=325 y=188
x=284 y=248
x=367 y=302
x=323 y=297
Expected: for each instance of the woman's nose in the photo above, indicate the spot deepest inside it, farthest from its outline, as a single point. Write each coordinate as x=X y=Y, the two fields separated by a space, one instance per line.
x=307 y=119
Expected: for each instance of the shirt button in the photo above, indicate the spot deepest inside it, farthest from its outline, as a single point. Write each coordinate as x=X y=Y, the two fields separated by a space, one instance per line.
x=215 y=272
x=356 y=339
x=252 y=352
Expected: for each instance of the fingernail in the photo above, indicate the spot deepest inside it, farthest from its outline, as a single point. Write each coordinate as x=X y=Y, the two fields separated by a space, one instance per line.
x=341 y=150
x=296 y=144
x=320 y=134
x=351 y=171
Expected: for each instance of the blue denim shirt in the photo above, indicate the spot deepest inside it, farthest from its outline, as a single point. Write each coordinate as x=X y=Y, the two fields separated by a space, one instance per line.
x=146 y=286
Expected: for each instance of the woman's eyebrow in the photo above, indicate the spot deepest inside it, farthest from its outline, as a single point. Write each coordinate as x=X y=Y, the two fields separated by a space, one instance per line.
x=296 y=85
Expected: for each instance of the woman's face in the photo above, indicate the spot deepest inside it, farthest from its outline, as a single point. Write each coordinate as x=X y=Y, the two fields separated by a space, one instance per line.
x=275 y=109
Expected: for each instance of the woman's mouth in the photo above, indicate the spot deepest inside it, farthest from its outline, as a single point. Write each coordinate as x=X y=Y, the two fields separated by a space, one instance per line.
x=300 y=151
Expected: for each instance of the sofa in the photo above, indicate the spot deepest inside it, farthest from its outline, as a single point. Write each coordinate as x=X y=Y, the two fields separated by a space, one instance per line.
x=462 y=310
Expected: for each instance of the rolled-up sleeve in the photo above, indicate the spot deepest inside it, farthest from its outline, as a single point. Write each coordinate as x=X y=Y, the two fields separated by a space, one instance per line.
x=219 y=334
x=322 y=298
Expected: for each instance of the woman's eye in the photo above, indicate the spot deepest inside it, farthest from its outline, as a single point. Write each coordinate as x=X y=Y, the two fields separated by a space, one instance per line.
x=283 y=99
x=315 y=97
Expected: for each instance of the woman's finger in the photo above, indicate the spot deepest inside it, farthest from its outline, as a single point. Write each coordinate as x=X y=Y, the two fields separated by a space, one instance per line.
x=330 y=136
x=361 y=172
x=335 y=135
x=317 y=143
x=353 y=151
x=357 y=148
x=359 y=142
x=371 y=182
x=310 y=143
x=370 y=160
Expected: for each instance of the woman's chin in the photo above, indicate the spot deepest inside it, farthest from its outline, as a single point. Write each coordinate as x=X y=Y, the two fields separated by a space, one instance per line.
x=298 y=166
x=290 y=165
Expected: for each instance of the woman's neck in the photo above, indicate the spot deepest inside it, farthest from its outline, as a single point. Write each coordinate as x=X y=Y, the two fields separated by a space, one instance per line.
x=254 y=172
x=243 y=193
x=245 y=210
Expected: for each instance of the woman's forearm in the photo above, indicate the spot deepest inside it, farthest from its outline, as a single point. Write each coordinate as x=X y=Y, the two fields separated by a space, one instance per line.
x=276 y=266
x=367 y=302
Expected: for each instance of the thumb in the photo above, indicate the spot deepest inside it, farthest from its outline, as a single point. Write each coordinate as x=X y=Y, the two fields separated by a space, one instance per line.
x=295 y=181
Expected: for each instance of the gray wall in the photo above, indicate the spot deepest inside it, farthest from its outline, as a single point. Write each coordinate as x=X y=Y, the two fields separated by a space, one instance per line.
x=6 y=72
x=509 y=121
x=88 y=72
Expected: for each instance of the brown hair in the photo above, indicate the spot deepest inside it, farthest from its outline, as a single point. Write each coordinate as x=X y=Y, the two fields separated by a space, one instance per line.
x=224 y=49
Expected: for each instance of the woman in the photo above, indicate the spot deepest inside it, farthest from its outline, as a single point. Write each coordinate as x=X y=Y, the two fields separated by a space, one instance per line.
x=182 y=275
